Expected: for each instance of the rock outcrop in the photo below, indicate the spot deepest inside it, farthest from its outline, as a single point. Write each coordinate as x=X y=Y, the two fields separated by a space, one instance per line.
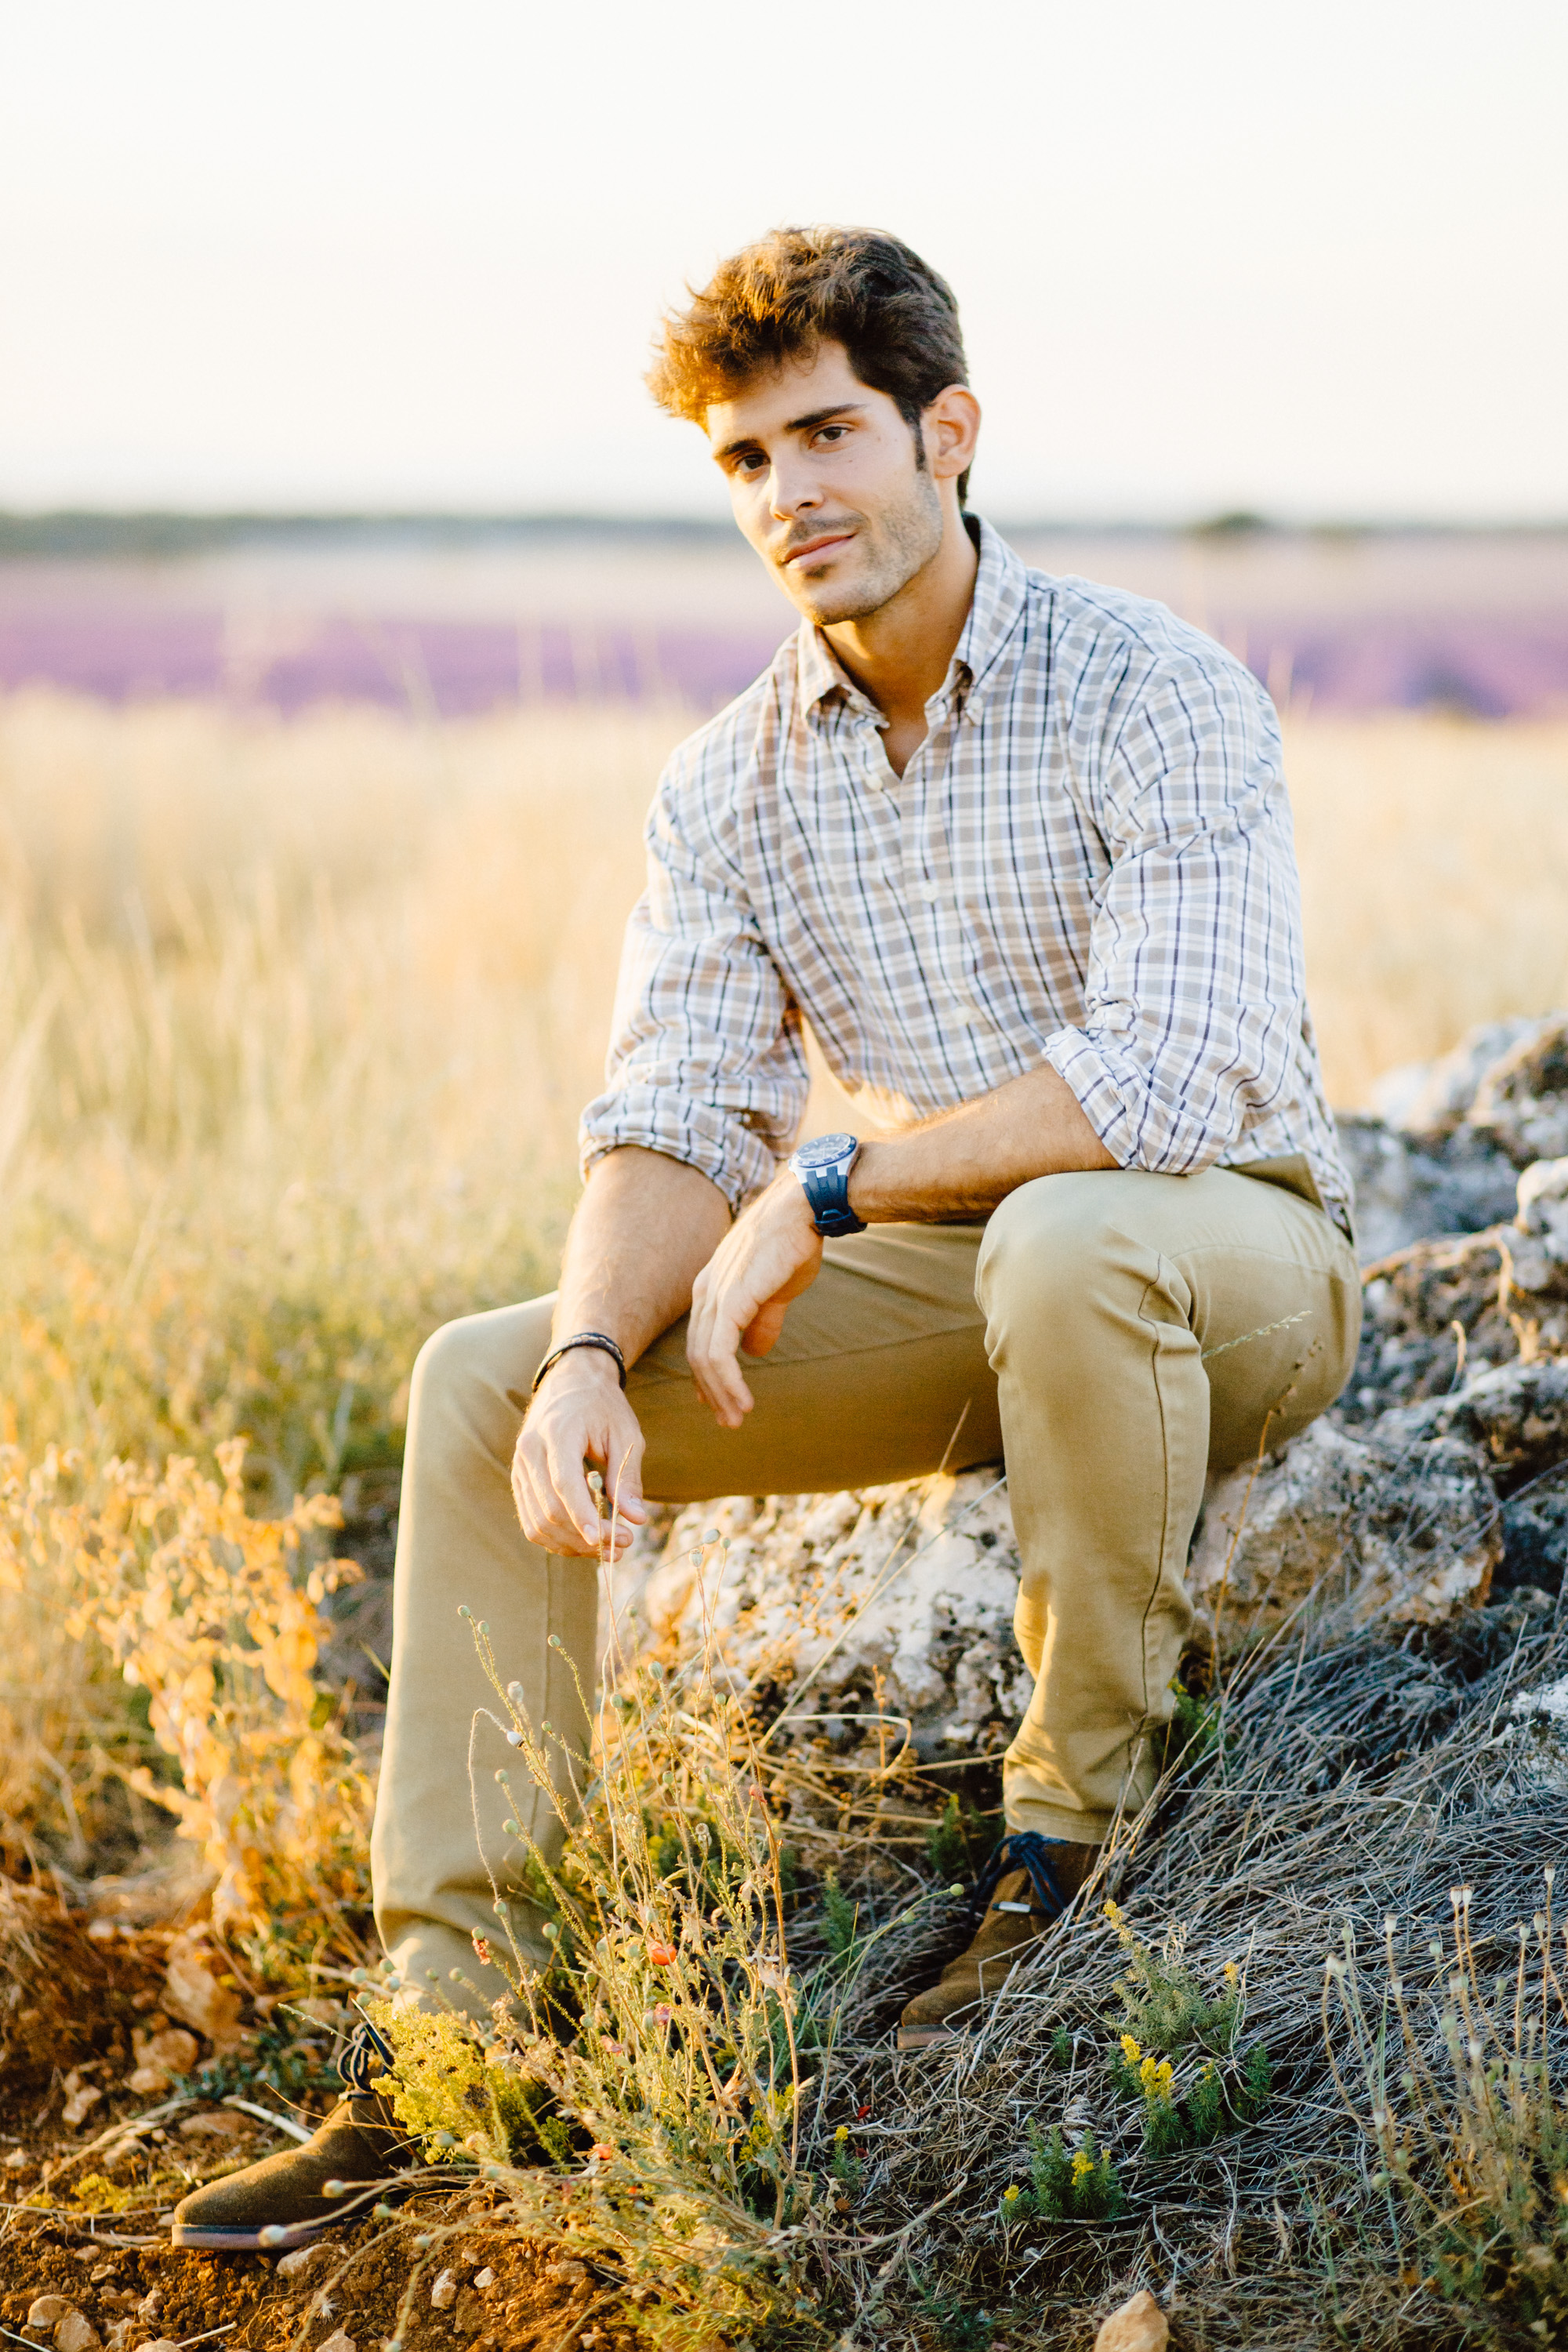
x=897 y=1601
x=1432 y=1482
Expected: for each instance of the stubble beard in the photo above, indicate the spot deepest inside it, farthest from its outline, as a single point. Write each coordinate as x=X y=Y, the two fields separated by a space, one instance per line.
x=892 y=544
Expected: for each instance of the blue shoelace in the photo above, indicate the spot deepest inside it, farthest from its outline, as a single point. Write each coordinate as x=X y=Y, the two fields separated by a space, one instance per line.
x=1025 y=1850
x=358 y=2067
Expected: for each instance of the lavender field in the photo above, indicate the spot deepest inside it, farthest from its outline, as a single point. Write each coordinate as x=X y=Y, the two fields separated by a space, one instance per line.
x=458 y=623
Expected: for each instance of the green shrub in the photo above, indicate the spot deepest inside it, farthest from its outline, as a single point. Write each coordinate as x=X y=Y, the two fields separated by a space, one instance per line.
x=962 y=1840
x=1075 y=2185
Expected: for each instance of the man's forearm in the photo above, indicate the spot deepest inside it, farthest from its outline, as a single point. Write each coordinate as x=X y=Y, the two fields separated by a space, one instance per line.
x=645 y=1228
x=959 y=1165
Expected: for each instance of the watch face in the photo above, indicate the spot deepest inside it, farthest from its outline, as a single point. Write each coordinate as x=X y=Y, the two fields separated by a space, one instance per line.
x=825 y=1150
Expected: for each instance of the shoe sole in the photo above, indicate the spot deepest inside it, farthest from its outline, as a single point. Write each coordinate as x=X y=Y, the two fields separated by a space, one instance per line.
x=926 y=2037
x=266 y=2238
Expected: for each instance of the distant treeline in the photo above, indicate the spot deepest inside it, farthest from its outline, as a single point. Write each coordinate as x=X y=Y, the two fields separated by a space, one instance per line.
x=83 y=532
x=86 y=531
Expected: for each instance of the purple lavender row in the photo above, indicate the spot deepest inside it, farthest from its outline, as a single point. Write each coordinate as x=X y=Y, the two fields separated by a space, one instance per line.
x=1492 y=666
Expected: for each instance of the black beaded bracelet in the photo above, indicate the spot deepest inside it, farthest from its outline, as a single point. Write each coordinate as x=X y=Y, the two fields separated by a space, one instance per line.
x=600 y=1339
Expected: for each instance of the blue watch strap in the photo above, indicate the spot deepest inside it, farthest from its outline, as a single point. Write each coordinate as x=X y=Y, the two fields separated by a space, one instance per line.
x=826 y=1183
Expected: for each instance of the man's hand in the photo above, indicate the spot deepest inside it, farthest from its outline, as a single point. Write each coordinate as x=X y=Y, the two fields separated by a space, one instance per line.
x=578 y=1417
x=770 y=1254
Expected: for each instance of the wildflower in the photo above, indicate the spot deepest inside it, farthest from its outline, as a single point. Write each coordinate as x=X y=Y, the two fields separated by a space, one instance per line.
x=662 y=2012
x=1082 y=2165
x=842 y=2134
x=481 y=1950
x=1158 y=2078
x=1011 y=2194
x=1232 y=1974
x=1130 y=2050
x=604 y=2150
x=662 y=1955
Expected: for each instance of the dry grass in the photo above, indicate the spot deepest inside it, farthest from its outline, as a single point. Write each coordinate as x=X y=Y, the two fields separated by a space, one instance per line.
x=1434 y=870
x=298 y=1019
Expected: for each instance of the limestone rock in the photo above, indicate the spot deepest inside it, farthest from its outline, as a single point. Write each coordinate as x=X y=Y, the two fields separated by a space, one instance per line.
x=1538 y=1736
x=1403 y=1505
x=47 y=2311
x=1333 y=1525
x=1414 y=1188
x=75 y=2333
x=1433 y=1099
x=899 y=1597
x=1539 y=1254
x=1140 y=2326
x=1522 y=1101
x=1517 y=1414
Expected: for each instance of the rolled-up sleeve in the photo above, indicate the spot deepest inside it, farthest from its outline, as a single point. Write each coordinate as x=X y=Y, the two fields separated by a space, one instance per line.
x=1195 y=988
x=705 y=1062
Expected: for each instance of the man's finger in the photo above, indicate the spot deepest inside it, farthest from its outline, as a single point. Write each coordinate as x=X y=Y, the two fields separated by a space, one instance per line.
x=549 y=1522
x=760 y=1334
x=718 y=1375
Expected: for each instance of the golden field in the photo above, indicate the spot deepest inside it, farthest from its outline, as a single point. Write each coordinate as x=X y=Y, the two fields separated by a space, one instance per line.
x=297 y=1017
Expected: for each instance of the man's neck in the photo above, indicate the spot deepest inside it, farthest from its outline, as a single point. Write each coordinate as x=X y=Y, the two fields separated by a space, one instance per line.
x=899 y=655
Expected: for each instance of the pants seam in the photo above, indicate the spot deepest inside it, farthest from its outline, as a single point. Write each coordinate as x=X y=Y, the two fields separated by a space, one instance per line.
x=763 y=1364
x=1166 y=1484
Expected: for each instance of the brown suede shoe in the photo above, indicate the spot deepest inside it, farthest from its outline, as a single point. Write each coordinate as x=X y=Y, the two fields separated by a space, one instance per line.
x=282 y=2201
x=1030 y=1883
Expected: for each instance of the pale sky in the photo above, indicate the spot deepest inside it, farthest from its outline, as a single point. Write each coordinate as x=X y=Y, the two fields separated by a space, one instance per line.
x=1209 y=254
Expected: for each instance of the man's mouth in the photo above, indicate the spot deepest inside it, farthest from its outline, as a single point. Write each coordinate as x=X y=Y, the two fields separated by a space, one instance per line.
x=809 y=547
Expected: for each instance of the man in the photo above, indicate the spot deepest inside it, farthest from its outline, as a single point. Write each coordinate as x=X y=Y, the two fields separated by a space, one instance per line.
x=1019 y=850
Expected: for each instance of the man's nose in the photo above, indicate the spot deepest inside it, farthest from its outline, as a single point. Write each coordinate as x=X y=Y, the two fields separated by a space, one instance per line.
x=792 y=491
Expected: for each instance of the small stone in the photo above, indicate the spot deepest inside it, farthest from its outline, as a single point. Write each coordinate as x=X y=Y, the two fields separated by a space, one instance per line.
x=484 y=2278
x=291 y=2266
x=76 y=2334
x=85 y=2096
x=193 y=1994
x=1139 y=2325
x=569 y=2272
x=337 y=2342
x=160 y=2344
x=443 y=2293
x=225 y=2125
x=46 y=2311
x=18 y=2160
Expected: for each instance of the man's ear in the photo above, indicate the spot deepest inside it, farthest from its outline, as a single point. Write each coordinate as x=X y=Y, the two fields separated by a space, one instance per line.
x=951 y=426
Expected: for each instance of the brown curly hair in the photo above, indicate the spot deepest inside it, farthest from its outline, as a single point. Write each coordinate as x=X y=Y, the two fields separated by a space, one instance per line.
x=795 y=288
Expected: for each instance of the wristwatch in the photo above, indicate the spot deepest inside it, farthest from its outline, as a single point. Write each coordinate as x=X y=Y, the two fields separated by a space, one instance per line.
x=823 y=1166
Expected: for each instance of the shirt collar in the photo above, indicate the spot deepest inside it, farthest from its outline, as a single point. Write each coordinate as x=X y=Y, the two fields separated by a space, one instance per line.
x=1001 y=585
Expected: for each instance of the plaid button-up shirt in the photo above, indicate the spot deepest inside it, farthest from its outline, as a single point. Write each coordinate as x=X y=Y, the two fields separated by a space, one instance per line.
x=1088 y=862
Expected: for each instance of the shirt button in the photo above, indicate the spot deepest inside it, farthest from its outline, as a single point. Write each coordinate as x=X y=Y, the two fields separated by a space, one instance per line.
x=929 y=891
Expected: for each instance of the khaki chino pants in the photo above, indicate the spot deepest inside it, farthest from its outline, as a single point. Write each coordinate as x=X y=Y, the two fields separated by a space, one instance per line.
x=1111 y=1335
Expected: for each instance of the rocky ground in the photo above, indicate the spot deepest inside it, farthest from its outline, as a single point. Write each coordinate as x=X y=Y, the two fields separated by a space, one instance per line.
x=1437 y=1489
x=1431 y=1486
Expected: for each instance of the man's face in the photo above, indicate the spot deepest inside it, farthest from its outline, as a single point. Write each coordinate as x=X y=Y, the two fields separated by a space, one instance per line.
x=825 y=482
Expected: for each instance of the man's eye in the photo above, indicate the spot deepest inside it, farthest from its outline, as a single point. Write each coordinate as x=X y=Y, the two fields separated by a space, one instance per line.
x=832 y=432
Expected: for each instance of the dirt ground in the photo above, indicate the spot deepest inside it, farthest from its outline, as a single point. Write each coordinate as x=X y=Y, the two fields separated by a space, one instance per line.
x=84 y=2204
x=353 y=2284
